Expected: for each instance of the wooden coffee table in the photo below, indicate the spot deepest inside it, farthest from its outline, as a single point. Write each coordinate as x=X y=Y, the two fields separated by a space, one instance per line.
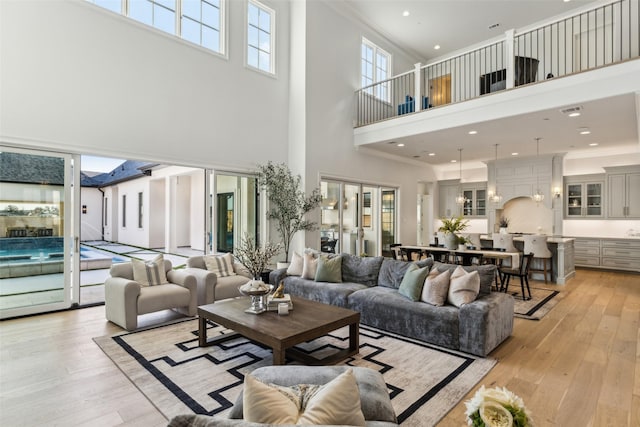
x=307 y=320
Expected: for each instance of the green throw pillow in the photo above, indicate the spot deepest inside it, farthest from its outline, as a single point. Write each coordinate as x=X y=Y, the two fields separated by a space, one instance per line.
x=329 y=269
x=413 y=281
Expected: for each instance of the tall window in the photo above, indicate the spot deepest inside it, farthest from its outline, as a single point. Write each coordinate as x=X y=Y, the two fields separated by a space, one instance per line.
x=106 y=209
x=376 y=67
x=260 y=37
x=160 y=14
x=140 y=210
x=201 y=23
x=124 y=210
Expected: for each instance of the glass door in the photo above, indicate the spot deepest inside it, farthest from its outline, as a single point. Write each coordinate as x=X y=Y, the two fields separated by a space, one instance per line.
x=234 y=200
x=38 y=246
x=357 y=219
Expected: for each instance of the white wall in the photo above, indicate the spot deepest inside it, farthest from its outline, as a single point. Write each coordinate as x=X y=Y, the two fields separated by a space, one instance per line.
x=80 y=79
x=333 y=76
x=91 y=222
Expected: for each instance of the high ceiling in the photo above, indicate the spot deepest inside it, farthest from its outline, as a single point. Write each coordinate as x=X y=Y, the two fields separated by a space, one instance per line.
x=459 y=24
x=453 y=24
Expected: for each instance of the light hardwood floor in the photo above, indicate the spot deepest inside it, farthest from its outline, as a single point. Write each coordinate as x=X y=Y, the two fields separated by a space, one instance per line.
x=578 y=366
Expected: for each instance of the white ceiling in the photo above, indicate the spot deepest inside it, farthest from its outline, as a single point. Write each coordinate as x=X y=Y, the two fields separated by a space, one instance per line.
x=458 y=24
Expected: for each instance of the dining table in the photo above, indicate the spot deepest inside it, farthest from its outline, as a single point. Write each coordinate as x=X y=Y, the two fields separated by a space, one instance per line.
x=467 y=254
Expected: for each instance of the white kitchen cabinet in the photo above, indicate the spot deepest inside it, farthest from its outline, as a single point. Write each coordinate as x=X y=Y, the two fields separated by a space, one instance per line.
x=584 y=196
x=474 y=192
x=623 y=193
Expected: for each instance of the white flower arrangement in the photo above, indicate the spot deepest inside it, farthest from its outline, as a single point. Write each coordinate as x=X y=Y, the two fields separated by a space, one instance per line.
x=255 y=257
x=497 y=407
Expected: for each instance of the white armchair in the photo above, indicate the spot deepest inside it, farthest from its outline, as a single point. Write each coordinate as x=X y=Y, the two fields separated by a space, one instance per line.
x=125 y=298
x=210 y=287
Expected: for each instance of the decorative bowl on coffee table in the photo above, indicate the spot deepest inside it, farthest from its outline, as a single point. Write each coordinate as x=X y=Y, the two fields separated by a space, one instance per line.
x=258 y=291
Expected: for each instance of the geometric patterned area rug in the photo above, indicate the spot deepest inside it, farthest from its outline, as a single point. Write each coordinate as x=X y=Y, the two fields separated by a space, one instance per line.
x=178 y=377
x=541 y=302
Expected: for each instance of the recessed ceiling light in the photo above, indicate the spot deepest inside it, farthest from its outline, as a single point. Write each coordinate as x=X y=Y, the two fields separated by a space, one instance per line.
x=454 y=161
x=432 y=154
x=575 y=114
x=584 y=131
x=406 y=13
x=436 y=47
x=593 y=144
x=514 y=154
x=566 y=1
x=401 y=145
x=473 y=132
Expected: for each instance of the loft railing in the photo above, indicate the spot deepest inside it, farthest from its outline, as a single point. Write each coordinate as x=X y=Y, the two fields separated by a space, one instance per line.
x=596 y=37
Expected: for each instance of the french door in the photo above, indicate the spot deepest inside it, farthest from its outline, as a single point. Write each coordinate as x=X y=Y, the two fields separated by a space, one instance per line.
x=39 y=223
x=356 y=218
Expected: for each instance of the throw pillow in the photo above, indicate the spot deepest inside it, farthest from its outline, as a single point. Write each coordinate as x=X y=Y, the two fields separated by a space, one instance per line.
x=149 y=273
x=464 y=287
x=297 y=263
x=309 y=267
x=222 y=265
x=335 y=403
x=413 y=281
x=329 y=270
x=436 y=287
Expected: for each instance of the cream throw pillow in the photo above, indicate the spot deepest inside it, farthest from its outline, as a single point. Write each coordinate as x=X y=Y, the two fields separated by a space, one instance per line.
x=297 y=263
x=464 y=287
x=335 y=403
x=222 y=265
x=149 y=273
x=309 y=267
x=436 y=287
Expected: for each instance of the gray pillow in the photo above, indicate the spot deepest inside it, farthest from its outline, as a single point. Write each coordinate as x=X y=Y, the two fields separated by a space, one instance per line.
x=329 y=270
x=362 y=270
x=392 y=271
x=486 y=272
x=413 y=281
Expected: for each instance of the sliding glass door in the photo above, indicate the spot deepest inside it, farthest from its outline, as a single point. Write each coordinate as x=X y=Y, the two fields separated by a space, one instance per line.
x=357 y=219
x=38 y=229
x=233 y=210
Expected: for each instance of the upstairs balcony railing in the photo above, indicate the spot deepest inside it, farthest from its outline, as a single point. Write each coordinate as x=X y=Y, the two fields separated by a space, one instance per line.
x=593 y=38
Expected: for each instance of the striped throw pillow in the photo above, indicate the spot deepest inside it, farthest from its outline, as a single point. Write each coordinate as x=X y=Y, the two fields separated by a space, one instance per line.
x=150 y=273
x=222 y=265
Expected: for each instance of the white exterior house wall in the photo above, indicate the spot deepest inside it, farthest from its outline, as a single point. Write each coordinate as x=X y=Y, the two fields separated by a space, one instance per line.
x=91 y=221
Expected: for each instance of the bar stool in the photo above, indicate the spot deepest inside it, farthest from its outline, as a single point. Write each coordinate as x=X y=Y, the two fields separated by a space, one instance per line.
x=537 y=245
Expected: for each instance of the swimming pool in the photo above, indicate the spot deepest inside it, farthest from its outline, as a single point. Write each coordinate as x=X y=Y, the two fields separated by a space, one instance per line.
x=21 y=257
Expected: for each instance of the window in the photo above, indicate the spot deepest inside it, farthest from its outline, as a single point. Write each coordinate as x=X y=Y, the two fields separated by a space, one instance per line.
x=112 y=5
x=106 y=209
x=201 y=23
x=124 y=210
x=260 y=37
x=160 y=14
x=139 y=210
x=376 y=67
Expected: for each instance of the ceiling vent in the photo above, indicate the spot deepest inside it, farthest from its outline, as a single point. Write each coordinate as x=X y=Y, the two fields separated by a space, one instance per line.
x=571 y=110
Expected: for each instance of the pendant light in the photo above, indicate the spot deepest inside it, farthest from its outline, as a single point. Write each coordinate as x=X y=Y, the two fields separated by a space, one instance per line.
x=461 y=200
x=496 y=198
x=538 y=196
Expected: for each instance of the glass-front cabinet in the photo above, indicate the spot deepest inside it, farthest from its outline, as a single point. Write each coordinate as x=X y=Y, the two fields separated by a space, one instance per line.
x=584 y=197
x=475 y=200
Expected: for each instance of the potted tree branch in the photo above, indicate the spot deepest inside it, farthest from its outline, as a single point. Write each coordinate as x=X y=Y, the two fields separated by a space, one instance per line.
x=288 y=202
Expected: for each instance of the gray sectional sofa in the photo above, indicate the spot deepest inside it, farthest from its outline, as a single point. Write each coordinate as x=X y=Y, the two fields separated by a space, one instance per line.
x=370 y=286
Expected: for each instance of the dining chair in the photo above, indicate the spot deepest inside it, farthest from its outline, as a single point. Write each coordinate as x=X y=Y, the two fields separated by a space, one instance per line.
x=537 y=245
x=506 y=273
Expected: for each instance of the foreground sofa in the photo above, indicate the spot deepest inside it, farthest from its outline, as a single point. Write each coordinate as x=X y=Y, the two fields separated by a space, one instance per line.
x=374 y=397
x=370 y=286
